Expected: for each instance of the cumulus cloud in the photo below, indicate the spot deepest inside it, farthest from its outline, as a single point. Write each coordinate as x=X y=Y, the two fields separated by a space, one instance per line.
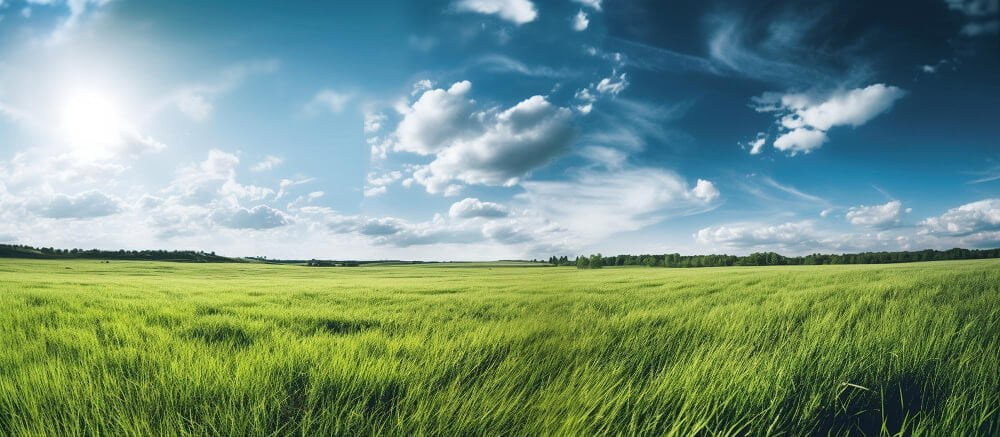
x=487 y=147
x=258 y=217
x=966 y=220
x=268 y=163
x=516 y=11
x=876 y=216
x=705 y=191
x=580 y=21
x=89 y=204
x=436 y=119
x=376 y=184
x=804 y=119
x=799 y=140
x=472 y=207
x=208 y=194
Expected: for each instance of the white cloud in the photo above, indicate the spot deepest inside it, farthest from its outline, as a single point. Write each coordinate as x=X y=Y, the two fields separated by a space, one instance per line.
x=607 y=157
x=285 y=184
x=757 y=145
x=421 y=86
x=792 y=190
x=396 y=232
x=876 y=216
x=513 y=143
x=79 y=10
x=208 y=193
x=612 y=85
x=268 y=163
x=376 y=184
x=194 y=105
x=966 y=220
x=472 y=146
x=595 y=204
x=705 y=191
x=516 y=11
x=586 y=99
x=743 y=235
x=437 y=118
x=800 y=140
x=507 y=232
x=471 y=207
x=328 y=100
x=988 y=175
x=804 y=119
x=496 y=63
x=89 y=204
x=258 y=217
x=195 y=101
x=374 y=121
x=580 y=21
x=846 y=108
x=595 y=4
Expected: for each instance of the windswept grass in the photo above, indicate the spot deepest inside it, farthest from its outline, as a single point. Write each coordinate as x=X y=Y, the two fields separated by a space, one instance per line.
x=137 y=348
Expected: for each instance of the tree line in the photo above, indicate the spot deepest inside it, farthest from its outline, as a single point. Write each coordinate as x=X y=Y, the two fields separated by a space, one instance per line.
x=597 y=261
x=25 y=251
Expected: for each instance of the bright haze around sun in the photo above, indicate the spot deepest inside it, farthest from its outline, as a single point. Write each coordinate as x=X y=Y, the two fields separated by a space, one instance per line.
x=499 y=129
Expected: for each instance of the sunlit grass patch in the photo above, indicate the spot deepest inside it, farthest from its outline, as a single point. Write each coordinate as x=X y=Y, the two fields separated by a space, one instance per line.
x=136 y=348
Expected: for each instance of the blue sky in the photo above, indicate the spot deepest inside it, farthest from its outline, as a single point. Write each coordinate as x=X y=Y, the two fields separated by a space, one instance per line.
x=488 y=129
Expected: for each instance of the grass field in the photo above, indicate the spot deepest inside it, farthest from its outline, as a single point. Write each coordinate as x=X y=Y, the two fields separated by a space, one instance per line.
x=137 y=348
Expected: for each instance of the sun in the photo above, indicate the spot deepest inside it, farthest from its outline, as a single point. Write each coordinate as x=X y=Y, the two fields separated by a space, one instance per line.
x=91 y=123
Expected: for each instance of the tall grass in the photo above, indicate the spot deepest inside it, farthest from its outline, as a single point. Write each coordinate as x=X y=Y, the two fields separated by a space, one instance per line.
x=135 y=348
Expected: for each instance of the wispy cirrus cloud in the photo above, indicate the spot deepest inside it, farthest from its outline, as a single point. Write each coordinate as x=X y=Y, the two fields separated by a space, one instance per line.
x=197 y=101
x=876 y=216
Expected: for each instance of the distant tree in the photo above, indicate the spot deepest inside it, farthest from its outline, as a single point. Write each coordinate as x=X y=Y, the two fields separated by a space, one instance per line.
x=582 y=262
x=596 y=261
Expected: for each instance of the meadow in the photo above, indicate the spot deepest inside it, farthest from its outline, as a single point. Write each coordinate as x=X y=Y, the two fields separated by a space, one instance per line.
x=148 y=348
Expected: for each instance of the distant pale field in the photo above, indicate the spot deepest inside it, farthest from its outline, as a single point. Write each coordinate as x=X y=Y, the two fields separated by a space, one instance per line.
x=140 y=348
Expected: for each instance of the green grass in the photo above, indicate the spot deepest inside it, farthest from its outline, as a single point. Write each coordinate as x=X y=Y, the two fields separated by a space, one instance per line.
x=141 y=348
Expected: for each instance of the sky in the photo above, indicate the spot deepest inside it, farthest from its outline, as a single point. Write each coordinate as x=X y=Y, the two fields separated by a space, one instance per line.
x=500 y=129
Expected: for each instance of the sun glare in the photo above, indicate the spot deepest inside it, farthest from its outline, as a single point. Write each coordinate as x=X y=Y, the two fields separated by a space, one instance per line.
x=91 y=123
